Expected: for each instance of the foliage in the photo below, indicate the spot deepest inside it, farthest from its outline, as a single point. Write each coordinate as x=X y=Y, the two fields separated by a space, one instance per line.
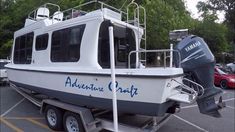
x=220 y=5
x=228 y=6
x=163 y=16
x=6 y=49
x=213 y=33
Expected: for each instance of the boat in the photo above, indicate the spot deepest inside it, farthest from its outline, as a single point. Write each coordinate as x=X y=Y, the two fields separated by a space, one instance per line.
x=66 y=57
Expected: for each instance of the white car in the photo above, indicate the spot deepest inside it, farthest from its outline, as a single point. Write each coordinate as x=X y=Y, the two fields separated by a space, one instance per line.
x=231 y=66
x=3 y=72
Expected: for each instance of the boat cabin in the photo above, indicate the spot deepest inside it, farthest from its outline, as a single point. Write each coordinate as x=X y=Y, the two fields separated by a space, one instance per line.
x=76 y=38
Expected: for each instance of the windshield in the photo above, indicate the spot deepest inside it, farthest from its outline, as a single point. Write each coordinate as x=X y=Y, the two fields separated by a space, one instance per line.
x=221 y=71
x=2 y=64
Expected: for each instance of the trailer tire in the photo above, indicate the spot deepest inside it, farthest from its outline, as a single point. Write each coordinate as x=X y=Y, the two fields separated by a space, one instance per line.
x=72 y=122
x=53 y=116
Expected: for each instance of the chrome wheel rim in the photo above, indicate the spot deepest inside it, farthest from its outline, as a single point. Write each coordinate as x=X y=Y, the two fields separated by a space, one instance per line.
x=51 y=117
x=72 y=124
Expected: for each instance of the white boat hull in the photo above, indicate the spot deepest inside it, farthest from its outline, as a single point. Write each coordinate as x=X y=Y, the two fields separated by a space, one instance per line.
x=135 y=94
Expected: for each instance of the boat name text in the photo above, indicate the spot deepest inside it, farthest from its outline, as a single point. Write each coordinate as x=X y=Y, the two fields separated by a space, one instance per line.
x=132 y=90
x=76 y=84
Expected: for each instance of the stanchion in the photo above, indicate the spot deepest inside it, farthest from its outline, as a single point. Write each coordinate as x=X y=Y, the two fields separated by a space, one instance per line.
x=111 y=42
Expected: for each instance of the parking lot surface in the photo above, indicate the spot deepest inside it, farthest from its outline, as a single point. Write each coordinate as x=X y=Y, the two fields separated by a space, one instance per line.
x=20 y=115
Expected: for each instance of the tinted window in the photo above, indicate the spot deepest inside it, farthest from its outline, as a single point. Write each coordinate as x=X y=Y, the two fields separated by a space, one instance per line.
x=65 y=46
x=124 y=42
x=42 y=42
x=23 y=49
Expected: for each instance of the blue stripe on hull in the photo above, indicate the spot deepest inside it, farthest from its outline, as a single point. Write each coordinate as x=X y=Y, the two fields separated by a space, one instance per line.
x=141 y=108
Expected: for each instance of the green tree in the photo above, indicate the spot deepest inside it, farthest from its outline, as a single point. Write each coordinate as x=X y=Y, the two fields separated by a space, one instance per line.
x=162 y=17
x=214 y=34
x=13 y=14
x=228 y=6
x=220 y=5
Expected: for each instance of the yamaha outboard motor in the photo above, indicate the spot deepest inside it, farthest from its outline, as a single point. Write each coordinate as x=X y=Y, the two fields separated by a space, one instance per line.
x=198 y=63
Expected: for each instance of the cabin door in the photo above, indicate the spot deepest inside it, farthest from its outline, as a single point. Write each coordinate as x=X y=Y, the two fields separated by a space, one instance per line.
x=124 y=42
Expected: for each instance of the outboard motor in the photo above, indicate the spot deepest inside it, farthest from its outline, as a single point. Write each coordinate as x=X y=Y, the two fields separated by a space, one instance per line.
x=198 y=63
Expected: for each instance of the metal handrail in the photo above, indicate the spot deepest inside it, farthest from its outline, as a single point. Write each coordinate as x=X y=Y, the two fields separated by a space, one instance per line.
x=102 y=5
x=145 y=32
x=191 y=92
x=137 y=22
x=44 y=5
x=137 y=8
x=157 y=51
x=111 y=7
x=201 y=92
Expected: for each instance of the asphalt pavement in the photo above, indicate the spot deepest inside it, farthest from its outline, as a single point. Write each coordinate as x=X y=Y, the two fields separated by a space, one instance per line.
x=20 y=115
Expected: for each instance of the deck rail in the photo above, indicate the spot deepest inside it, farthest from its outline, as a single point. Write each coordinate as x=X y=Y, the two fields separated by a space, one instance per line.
x=32 y=15
x=184 y=89
x=80 y=8
x=164 y=51
x=199 y=88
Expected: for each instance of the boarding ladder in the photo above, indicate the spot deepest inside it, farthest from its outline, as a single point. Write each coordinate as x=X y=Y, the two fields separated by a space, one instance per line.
x=134 y=18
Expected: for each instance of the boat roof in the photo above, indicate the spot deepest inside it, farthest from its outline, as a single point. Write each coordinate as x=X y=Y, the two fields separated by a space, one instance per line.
x=67 y=17
x=4 y=60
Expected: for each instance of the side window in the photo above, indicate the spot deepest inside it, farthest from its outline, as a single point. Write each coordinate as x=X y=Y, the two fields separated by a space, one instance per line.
x=65 y=45
x=103 y=45
x=23 y=49
x=41 y=42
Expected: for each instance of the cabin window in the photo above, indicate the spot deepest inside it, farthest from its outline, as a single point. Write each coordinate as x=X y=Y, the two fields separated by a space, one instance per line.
x=65 y=45
x=41 y=42
x=23 y=49
x=124 y=42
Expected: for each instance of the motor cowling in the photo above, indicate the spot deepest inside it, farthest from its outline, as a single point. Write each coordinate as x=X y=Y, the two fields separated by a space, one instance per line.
x=198 y=63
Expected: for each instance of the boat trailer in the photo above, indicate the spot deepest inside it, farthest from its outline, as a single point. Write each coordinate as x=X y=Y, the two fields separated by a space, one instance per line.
x=93 y=120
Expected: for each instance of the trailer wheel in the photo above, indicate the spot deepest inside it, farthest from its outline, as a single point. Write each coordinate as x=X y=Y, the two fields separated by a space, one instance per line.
x=53 y=117
x=72 y=122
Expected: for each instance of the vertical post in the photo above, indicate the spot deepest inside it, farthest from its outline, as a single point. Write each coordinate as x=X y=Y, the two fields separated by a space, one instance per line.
x=165 y=59
x=72 y=13
x=35 y=14
x=111 y=43
x=155 y=121
x=171 y=54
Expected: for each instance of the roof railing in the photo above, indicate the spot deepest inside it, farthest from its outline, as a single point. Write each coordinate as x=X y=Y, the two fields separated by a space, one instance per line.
x=69 y=13
x=32 y=14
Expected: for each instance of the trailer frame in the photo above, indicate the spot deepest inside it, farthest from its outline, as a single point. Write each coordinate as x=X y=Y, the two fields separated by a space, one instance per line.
x=94 y=121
